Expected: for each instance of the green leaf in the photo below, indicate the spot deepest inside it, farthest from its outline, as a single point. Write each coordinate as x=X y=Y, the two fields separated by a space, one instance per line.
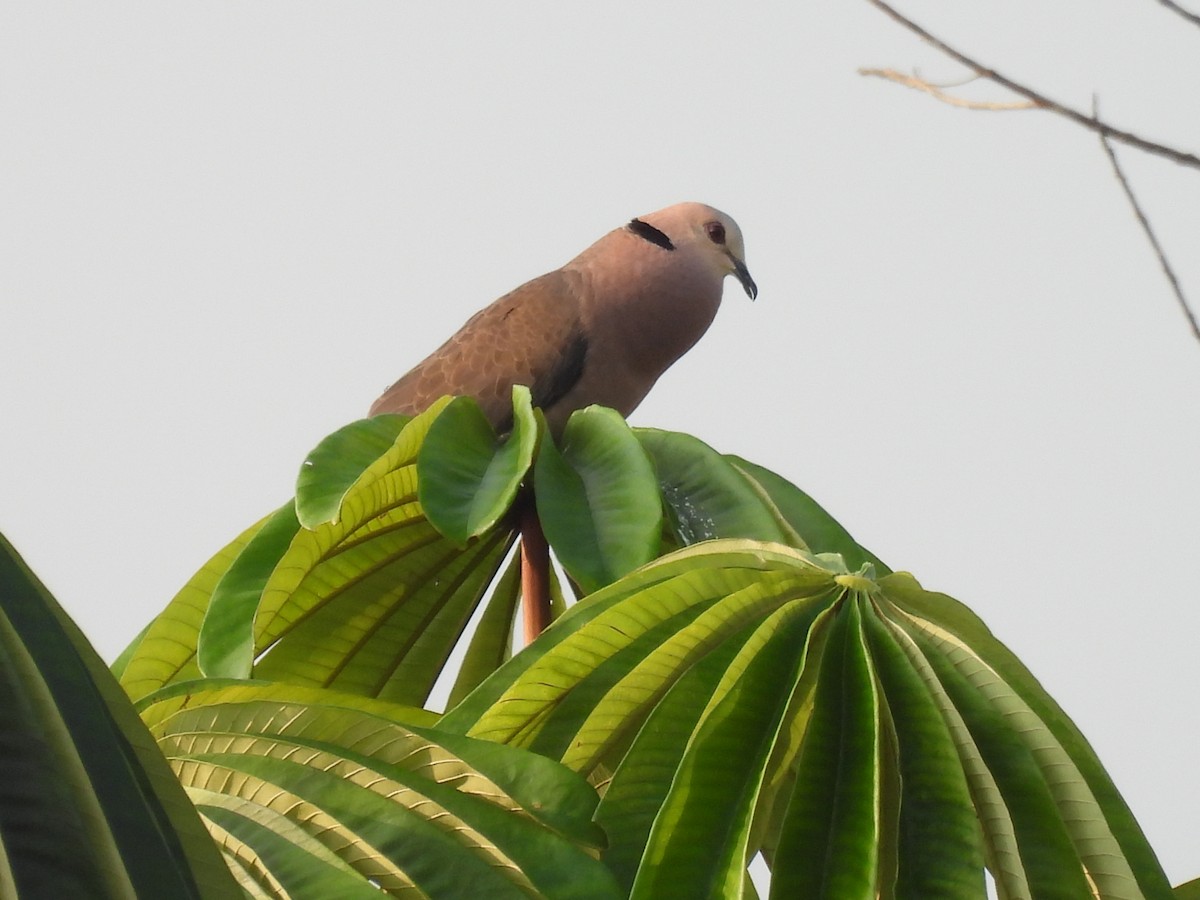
x=1188 y=891
x=88 y=806
x=337 y=463
x=121 y=663
x=542 y=787
x=1048 y=860
x=379 y=616
x=605 y=709
x=491 y=644
x=643 y=779
x=699 y=843
x=946 y=748
x=396 y=805
x=818 y=530
x=895 y=759
x=166 y=649
x=373 y=603
x=676 y=588
x=829 y=845
x=214 y=691
x=376 y=602
x=467 y=476
x=225 y=647
x=548 y=791
x=280 y=852
x=954 y=619
x=706 y=497
x=1094 y=844
x=598 y=499
x=938 y=844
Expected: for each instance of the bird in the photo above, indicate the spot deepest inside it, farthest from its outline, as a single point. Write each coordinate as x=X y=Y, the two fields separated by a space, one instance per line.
x=599 y=330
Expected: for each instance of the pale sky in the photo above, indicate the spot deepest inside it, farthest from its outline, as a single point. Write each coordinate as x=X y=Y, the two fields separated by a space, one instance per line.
x=227 y=226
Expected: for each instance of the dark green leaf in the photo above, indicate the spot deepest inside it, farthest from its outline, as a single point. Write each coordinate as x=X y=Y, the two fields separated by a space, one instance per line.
x=467 y=477
x=700 y=838
x=829 y=845
x=706 y=497
x=938 y=843
x=598 y=499
x=950 y=615
x=1049 y=860
x=643 y=779
x=819 y=530
x=88 y=805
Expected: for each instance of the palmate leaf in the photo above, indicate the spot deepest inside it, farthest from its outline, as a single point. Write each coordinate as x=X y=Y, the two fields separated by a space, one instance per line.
x=871 y=738
x=744 y=696
x=372 y=600
x=88 y=806
x=967 y=629
x=353 y=587
x=307 y=798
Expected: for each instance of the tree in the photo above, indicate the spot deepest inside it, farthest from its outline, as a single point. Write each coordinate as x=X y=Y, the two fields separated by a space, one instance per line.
x=737 y=676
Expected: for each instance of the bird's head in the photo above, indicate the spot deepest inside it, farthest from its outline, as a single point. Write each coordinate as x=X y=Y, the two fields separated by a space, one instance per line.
x=707 y=235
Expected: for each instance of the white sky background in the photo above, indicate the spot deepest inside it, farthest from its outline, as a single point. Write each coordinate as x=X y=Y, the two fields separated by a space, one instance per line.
x=226 y=227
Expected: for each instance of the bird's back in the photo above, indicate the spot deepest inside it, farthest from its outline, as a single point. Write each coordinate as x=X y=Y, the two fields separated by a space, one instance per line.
x=531 y=336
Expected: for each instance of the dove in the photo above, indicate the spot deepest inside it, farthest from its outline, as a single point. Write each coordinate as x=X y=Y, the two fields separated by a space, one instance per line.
x=600 y=330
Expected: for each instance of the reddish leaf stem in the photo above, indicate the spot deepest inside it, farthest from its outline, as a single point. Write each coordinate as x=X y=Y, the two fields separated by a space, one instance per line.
x=535 y=572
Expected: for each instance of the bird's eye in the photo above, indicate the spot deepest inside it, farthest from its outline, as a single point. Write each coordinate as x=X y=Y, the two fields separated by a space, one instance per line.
x=716 y=232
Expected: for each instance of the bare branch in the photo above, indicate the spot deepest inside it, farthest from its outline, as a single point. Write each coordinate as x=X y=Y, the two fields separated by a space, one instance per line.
x=1090 y=122
x=1145 y=223
x=1176 y=8
x=938 y=92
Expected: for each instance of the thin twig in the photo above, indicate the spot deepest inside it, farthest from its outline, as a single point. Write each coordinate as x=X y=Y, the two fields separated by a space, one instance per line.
x=937 y=91
x=1090 y=122
x=1145 y=223
x=947 y=85
x=1176 y=8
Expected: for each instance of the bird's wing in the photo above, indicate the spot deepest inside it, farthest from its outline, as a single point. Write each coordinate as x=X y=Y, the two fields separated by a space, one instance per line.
x=532 y=336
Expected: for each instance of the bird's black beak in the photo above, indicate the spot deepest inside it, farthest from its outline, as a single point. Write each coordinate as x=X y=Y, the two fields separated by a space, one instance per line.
x=743 y=275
